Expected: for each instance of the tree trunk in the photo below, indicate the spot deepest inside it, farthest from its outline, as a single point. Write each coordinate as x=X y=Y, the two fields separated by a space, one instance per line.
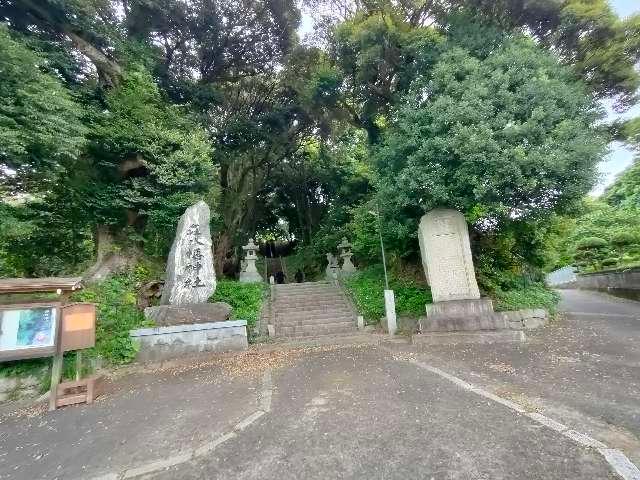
x=222 y=249
x=110 y=257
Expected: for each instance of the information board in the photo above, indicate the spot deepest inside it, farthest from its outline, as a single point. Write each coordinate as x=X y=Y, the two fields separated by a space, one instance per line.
x=78 y=326
x=28 y=331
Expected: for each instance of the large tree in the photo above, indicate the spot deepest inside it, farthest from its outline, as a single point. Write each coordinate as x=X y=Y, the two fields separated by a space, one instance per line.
x=41 y=128
x=507 y=139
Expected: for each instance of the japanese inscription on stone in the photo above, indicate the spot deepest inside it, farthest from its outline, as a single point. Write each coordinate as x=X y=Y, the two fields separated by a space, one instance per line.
x=446 y=255
x=190 y=274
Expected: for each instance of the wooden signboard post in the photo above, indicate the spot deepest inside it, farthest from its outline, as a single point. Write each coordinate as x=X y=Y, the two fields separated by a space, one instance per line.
x=48 y=329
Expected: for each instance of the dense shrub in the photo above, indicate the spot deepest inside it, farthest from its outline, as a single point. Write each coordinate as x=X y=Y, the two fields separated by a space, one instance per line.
x=366 y=288
x=535 y=295
x=117 y=314
x=245 y=299
x=591 y=243
x=623 y=238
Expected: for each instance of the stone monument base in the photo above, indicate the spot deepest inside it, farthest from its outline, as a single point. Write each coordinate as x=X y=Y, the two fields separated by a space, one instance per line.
x=466 y=338
x=178 y=341
x=164 y=315
x=250 y=277
x=462 y=315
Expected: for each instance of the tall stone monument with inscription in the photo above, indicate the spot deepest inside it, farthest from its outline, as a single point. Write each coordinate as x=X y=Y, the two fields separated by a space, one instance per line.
x=191 y=277
x=448 y=266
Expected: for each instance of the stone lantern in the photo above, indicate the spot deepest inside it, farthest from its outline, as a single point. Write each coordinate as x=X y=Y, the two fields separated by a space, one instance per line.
x=345 y=253
x=249 y=272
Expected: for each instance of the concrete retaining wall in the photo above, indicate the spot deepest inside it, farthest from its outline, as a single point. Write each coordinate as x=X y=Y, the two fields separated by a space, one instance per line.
x=515 y=320
x=624 y=283
x=163 y=343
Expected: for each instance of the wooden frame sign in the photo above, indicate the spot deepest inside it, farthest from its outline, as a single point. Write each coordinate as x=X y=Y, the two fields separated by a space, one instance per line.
x=29 y=330
x=78 y=326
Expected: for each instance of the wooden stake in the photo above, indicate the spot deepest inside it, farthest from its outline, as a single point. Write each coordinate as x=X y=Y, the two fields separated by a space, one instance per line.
x=56 y=374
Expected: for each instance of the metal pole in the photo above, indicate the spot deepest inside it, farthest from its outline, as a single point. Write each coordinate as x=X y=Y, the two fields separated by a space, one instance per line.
x=384 y=260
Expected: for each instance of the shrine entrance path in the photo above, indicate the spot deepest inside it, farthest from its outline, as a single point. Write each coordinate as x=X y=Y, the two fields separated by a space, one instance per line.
x=368 y=412
x=144 y=416
x=377 y=412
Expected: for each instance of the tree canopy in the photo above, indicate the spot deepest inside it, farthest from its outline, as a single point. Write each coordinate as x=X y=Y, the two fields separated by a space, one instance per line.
x=116 y=115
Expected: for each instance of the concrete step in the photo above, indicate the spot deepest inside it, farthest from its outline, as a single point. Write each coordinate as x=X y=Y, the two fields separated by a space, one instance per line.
x=311 y=293
x=285 y=286
x=343 y=339
x=313 y=330
x=308 y=298
x=311 y=307
x=298 y=321
x=315 y=313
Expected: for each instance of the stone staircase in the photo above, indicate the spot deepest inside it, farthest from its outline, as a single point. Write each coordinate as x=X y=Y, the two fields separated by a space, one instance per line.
x=310 y=309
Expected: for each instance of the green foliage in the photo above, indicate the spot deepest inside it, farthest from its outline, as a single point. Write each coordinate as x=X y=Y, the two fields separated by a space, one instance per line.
x=513 y=134
x=366 y=288
x=591 y=243
x=150 y=156
x=380 y=53
x=245 y=298
x=602 y=232
x=41 y=239
x=535 y=295
x=117 y=314
x=41 y=126
x=621 y=239
x=624 y=192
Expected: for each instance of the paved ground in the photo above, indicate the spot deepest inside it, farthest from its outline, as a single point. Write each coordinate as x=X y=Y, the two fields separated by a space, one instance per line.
x=583 y=370
x=361 y=412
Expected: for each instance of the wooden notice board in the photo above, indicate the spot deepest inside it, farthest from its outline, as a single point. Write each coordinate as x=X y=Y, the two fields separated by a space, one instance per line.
x=29 y=330
x=78 y=326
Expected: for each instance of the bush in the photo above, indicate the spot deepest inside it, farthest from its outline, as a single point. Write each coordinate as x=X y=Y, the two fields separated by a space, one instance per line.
x=607 y=262
x=117 y=314
x=366 y=289
x=245 y=299
x=623 y=238
x=533 y=296
x=591 y=243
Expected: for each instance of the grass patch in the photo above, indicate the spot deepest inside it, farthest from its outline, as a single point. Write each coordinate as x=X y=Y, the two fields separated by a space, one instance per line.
x=535 y=295
x=366 y=289
x=245 y=299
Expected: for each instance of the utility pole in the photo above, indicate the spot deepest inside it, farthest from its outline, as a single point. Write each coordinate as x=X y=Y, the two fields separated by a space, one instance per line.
x=389 y=298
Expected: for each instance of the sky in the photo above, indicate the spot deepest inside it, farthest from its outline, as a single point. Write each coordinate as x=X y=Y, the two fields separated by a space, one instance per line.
x=620 y=157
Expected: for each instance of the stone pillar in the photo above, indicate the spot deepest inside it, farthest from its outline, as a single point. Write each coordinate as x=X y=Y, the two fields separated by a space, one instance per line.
x=345 y=253
x=390 y=311
x=250 y=273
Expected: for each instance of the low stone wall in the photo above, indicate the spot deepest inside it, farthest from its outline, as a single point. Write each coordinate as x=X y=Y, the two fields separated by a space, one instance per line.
x=163 y=343
x=525 y=319
x=624 y=283
x=18 y=388
x=515 y=320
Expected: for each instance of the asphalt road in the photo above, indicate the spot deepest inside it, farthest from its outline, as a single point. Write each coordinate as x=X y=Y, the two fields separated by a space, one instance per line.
x=362 y=412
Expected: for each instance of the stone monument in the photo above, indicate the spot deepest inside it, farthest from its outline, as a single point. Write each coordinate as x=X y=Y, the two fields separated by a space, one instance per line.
x=448 y=265
x=191 y=277
x=345 y=253
x=250 y=273
x=186 y=323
